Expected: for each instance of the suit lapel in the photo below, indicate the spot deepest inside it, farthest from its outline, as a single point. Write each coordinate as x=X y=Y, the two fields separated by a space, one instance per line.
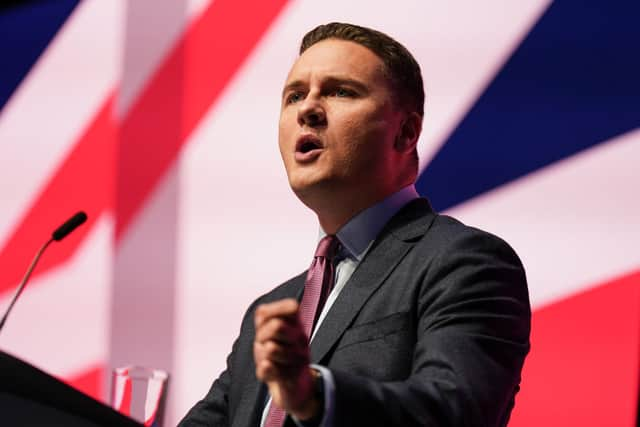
x=393 y=243
x=250 y=408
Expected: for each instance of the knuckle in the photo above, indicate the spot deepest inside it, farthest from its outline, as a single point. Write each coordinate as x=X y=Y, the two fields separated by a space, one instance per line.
x=271 y=347
x=278 y=326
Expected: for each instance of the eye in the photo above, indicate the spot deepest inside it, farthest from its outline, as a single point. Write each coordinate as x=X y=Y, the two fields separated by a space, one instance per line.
x=343 y=93
x=294 y=97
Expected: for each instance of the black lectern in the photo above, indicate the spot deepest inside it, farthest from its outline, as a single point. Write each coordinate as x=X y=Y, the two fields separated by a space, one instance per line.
x=30 y=398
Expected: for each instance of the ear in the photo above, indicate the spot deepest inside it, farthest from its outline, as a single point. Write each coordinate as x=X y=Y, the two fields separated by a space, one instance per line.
x=408 y=134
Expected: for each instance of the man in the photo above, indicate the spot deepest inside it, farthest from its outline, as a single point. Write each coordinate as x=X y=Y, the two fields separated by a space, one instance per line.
x=427 y=322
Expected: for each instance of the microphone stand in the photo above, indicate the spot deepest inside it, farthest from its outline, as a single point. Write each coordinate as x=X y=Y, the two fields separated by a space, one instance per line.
x=25 y=279
x=60 y=233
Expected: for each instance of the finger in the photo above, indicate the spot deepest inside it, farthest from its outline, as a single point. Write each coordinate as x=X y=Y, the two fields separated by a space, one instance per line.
x=281 y=354
x=286 y=308
x=269 y=370
x=280 y=330
x=266 y=371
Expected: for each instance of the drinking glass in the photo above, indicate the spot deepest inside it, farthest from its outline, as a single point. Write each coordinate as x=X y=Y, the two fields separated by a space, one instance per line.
x=140 y=393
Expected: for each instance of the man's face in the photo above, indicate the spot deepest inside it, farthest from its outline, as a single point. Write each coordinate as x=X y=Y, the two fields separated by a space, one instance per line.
x=338 y=122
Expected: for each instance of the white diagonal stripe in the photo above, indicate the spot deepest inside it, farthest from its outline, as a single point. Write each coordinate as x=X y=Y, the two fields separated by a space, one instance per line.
x=575 y=223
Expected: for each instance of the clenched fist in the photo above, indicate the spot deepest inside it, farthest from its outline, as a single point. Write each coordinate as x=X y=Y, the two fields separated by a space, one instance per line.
x=281 y=354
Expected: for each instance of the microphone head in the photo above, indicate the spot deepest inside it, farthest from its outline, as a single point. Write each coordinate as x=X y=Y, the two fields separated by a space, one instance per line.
x=71 y=224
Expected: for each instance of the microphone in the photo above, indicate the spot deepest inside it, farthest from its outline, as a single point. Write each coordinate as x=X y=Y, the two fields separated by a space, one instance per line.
x=59 y=234
x=71 y=224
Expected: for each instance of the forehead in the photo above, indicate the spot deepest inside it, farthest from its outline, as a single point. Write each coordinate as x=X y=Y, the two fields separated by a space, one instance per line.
x=338 y=58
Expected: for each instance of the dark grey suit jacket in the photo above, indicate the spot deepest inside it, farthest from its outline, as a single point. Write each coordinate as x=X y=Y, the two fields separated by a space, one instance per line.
x=431 y=330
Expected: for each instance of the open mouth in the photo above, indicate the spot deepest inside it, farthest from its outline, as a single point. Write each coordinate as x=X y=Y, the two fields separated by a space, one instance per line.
x=308 y=143
x=308 y=148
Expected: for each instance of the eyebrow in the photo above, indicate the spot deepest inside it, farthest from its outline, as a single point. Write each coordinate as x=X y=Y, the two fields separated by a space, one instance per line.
x=293 y=85
x=332 y=80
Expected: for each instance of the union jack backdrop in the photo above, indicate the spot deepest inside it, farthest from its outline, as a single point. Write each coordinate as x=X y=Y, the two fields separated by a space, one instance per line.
x=159 y=119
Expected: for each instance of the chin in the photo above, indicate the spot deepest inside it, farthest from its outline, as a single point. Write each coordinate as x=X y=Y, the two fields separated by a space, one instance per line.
x=303 y=188
x=301 y=180
x=310 y=191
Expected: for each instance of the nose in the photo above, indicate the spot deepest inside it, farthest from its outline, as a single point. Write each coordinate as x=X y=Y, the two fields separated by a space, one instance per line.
x=311 y=113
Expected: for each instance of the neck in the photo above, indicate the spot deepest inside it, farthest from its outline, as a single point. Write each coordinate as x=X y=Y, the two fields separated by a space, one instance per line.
x=336 y=211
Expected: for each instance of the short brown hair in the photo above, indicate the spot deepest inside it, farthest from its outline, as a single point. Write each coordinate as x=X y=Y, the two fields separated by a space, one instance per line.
x=402 y=69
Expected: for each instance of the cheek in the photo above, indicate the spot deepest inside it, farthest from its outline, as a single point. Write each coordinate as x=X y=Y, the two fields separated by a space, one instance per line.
x=281 y=141
x=363 y=137
x=284 y=133
x=348 y=140
x=364 y=122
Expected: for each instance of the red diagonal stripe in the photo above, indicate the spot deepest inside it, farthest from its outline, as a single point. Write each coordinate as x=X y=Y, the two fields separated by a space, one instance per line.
x=584 y=362
x=89 y=382
x=185 y=86
x=83 y=181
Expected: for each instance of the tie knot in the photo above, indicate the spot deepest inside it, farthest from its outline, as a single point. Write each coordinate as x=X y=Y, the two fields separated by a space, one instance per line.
x=328 y=247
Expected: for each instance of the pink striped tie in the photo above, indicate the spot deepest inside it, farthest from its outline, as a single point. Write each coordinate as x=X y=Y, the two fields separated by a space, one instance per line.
x=316 y=290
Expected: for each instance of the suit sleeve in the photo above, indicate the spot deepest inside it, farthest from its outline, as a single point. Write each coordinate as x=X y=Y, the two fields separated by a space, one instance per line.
x=472 y=335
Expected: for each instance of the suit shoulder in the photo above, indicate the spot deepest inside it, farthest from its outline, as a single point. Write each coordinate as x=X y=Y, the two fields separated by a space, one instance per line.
x=448 y=234
x=288 y=289
x=450 y=229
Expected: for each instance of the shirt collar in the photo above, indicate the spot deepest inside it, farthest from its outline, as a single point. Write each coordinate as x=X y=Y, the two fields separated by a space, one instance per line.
x=357 y=235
